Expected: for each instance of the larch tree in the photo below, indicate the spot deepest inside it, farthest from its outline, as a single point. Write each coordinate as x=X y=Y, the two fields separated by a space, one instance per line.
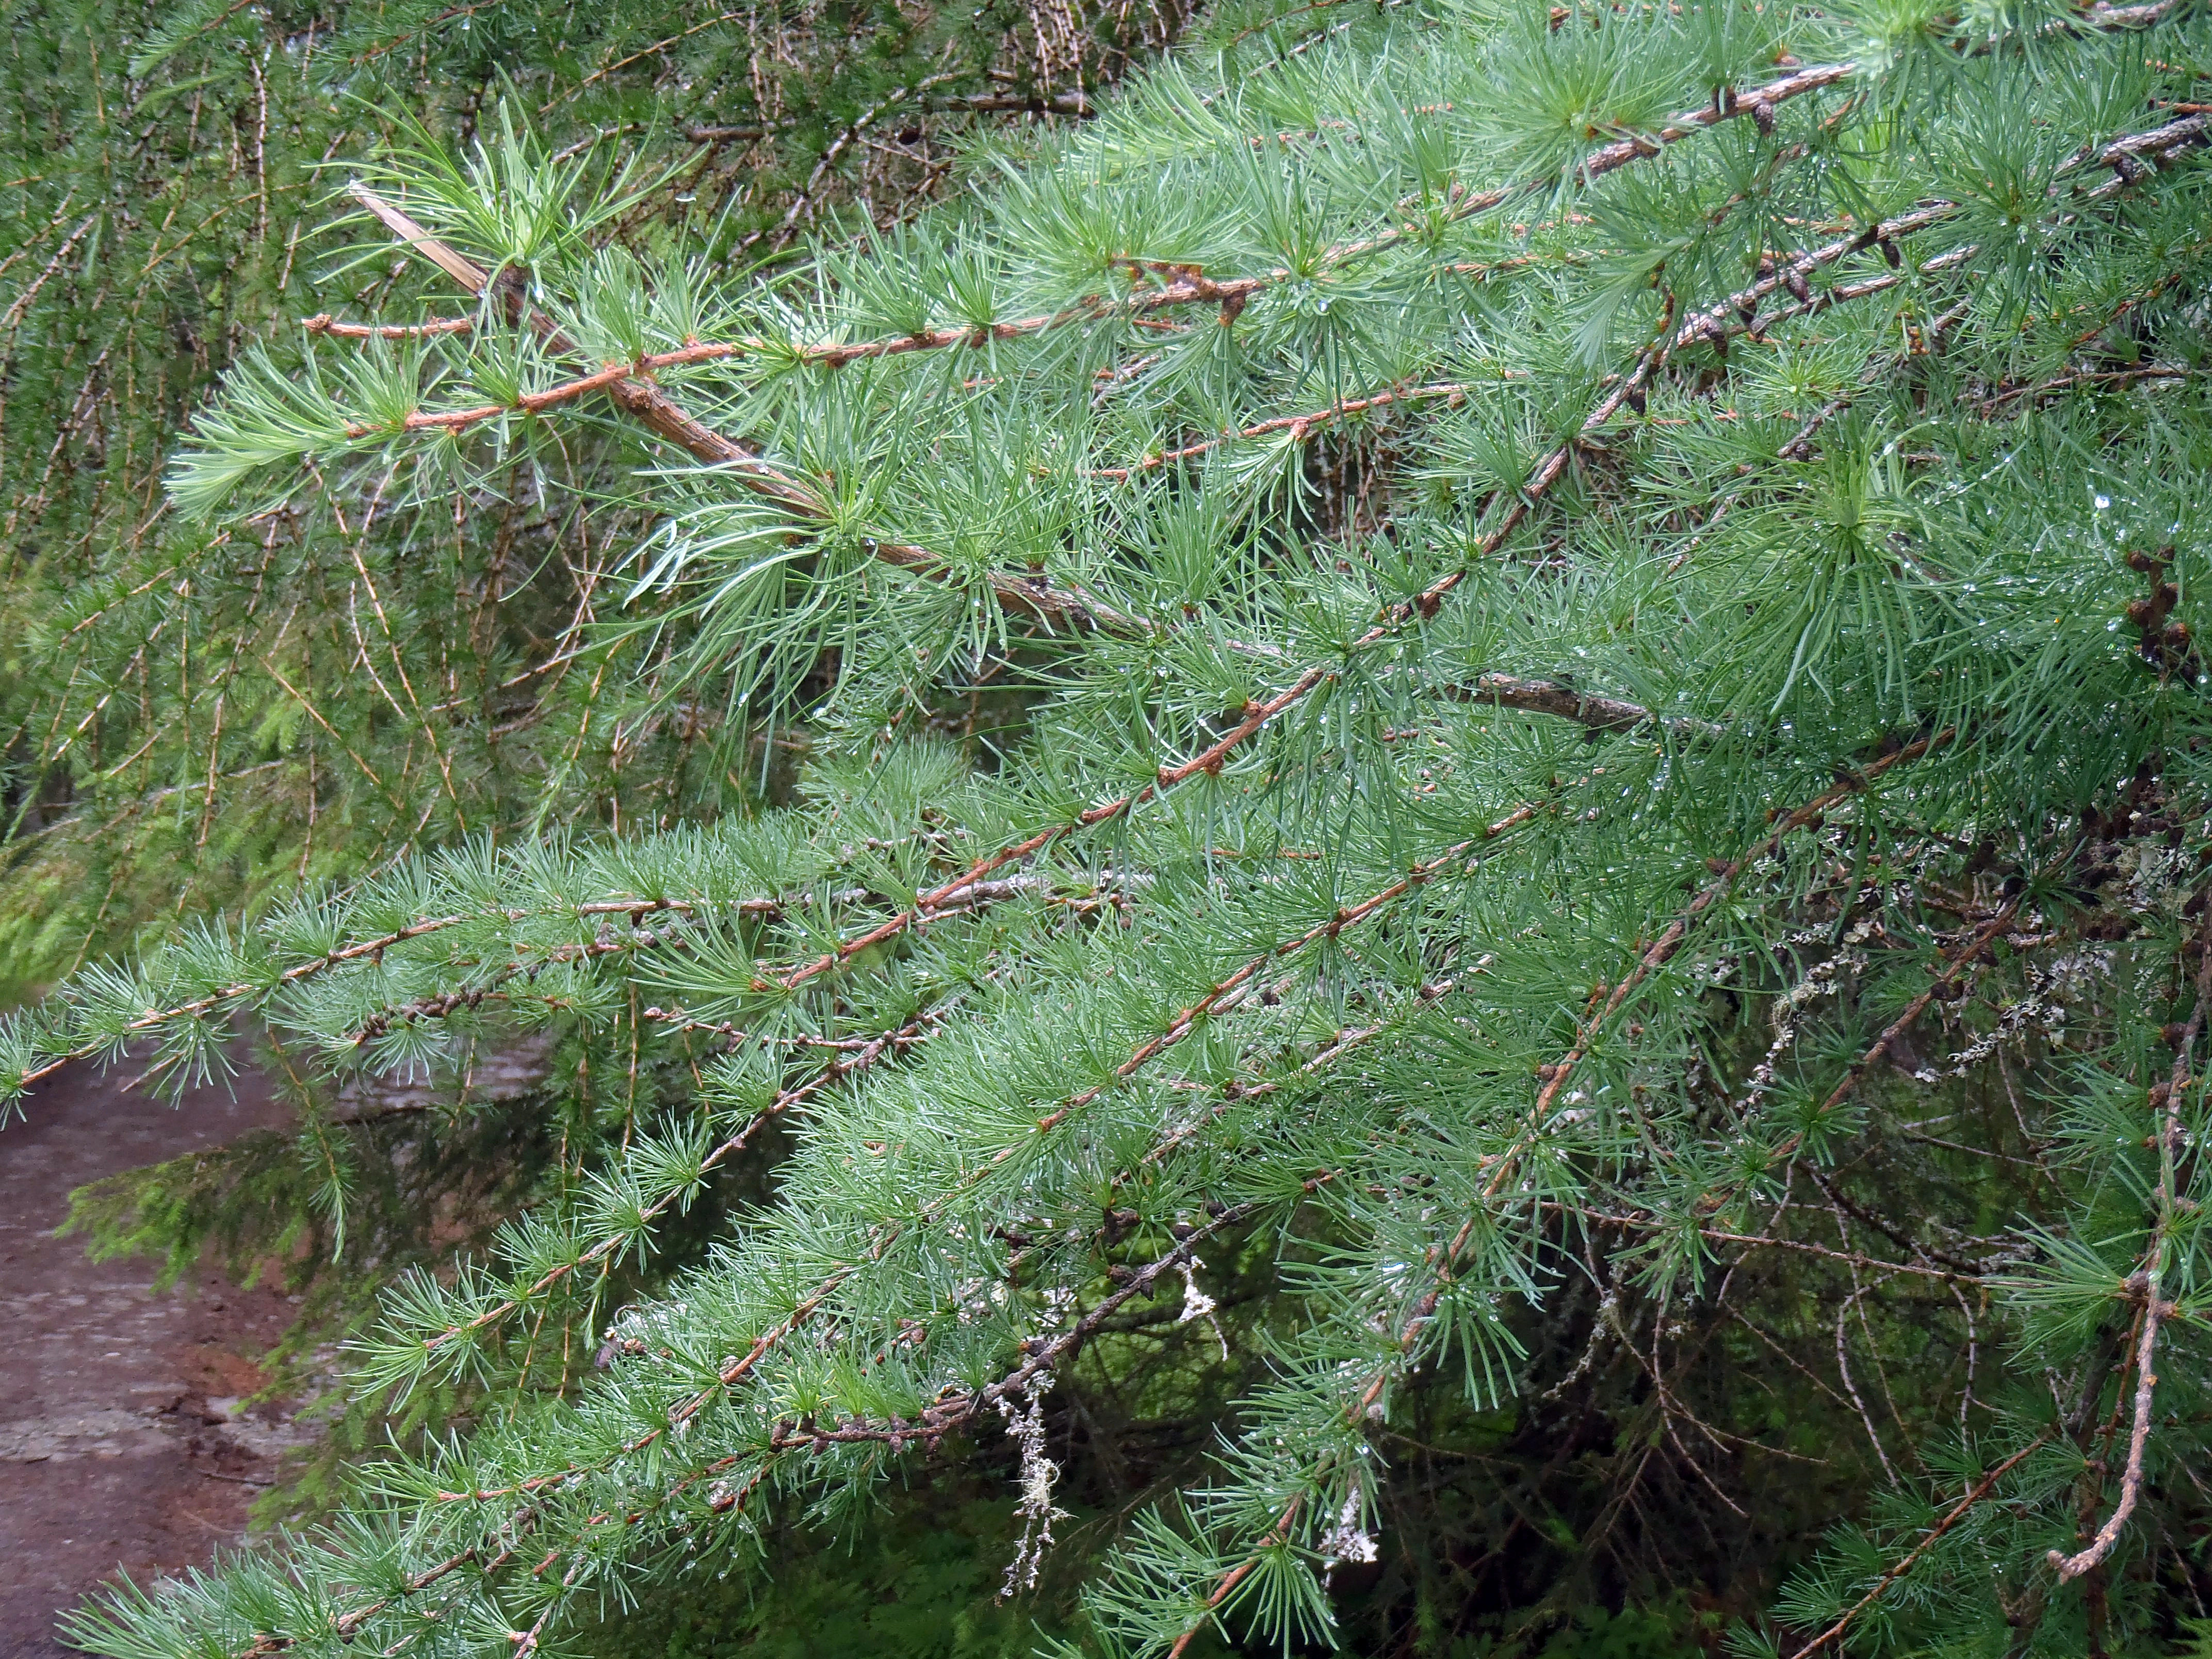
x=1493 y=884
x=187 y=722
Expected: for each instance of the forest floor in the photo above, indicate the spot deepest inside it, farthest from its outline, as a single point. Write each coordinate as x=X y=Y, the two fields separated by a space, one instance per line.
x=123 y=1441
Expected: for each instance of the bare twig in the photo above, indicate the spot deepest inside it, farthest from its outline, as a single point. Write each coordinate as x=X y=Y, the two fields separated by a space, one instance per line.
x=323 y=323
x=2169 y=1144
x=1297 y=426
x=1587 y=709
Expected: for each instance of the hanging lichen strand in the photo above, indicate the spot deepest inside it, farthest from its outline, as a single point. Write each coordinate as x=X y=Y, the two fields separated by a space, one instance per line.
x=1504 y=818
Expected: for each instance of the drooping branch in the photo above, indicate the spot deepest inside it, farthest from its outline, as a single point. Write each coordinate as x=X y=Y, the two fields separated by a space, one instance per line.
x=1443 y=1259
x=964 y=894
x=213 y=1000
x=1737 y=315
x=841 y=1066
x=1257 y=714
x=1223 y=996
x=243 y=992
x=954 y=1410
x=646 y=402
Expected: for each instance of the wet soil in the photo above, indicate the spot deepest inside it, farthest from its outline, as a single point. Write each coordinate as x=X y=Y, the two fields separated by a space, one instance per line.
x=124 y=1447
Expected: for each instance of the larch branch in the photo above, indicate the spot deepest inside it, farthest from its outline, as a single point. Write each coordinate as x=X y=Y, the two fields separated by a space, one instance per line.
x=645 y=402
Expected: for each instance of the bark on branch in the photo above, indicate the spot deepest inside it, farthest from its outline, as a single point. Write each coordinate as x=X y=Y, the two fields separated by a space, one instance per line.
x=2175 y=1090
x=646 y=402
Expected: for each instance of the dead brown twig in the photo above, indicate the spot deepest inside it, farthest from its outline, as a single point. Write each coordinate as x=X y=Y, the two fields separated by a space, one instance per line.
x=1297 y=426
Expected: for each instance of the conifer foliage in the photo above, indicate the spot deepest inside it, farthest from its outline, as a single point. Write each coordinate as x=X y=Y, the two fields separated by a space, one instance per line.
x=185 y=719
x=1534 y=666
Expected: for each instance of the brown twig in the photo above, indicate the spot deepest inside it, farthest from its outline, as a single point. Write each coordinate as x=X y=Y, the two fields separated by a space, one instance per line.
x=2169 y=1144
x=1981 y=1489
x=323 y=323
x=1763 y=1241
x=652 y=408
x=1257 y=714
x=1585 y=708
x=1298 y=426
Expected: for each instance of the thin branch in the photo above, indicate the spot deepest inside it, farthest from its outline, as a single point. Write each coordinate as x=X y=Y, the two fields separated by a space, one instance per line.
x=802 y=204
x=1183 y=284
x=836 y=1071
x=2169 y=1145
x=2104 y=378
x=601 y=73
x=944 y=1416
x=1298 y=427
x=532 y=403
x=1764 y=1241
x=1186 y=284
x=323 y=323
x=1587 y=709
x=1959 y=962
x=243 y=989
x=1981 y=1490
x=654 y=408
x=1257 y=714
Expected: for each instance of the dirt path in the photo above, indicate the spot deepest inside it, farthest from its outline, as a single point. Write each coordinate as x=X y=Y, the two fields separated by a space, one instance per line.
x=121 y=1444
